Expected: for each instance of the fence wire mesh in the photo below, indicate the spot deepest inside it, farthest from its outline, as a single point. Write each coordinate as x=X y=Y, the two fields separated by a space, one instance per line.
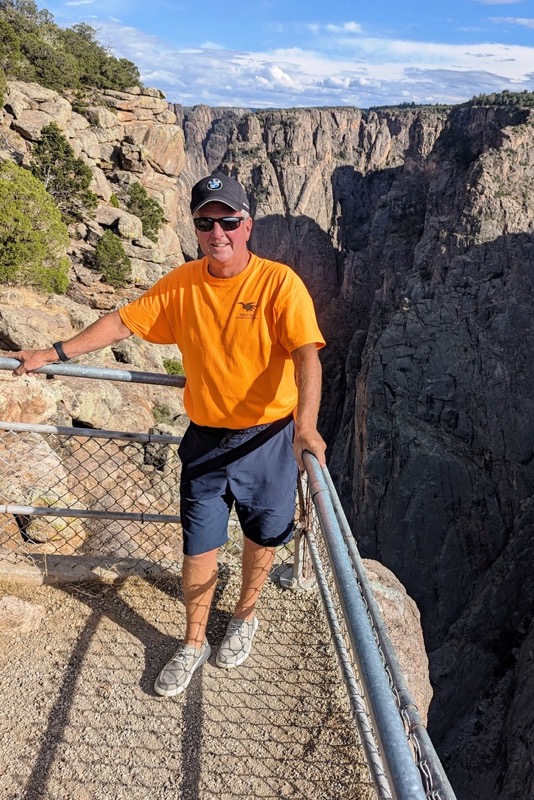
x=122 y=490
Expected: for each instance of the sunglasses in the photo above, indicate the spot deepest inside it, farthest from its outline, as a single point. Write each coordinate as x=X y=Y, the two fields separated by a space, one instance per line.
x=205 y=224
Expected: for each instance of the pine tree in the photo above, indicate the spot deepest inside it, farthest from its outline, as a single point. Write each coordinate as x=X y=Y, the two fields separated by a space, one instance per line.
x=147 y=209
x=33 y=237
x=66 y=177
x=111 y=260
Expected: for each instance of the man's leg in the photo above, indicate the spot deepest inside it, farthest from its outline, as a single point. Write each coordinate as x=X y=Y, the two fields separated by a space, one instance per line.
x=199 y=578
x=256 y=564
x=237 y=642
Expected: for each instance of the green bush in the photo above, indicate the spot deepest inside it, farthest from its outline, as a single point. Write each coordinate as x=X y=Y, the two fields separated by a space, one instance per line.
x=33 y=47
x=147 y=209
x=111 y=260
x=173 y=366
x=162 y=415
x=3 y=86
x=66 y=177
x=33 y=237
x=114 y=200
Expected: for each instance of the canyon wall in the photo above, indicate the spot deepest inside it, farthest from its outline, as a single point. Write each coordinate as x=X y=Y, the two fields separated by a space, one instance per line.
x=415 y=232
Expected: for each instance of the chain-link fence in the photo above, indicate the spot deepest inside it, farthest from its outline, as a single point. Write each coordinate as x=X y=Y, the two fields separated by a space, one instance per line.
x=79 y=500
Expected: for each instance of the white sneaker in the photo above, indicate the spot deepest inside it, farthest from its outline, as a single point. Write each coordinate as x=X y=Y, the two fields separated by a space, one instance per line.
x=237 y=642
x=176 y=675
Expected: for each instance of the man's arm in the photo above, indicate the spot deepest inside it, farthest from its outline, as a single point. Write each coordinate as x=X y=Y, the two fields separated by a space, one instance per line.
x=308 y=374
x=105 y=331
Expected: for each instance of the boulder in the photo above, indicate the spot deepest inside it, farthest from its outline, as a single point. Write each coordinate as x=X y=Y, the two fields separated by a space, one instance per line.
x=403 y=622
x=169 y=244
x=101 y=117
x=59 y=109
x=85 y=143
x=37 y=327
x=127 y=225
x=100 y=185
x=76 y=123
x=19 y=616
x=34 y=92
x=16 y=103
x=164 y=145
x=30 y=123
x=27 y=398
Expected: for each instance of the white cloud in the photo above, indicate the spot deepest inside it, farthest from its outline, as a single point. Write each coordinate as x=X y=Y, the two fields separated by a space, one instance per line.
x=347 y=27
x=212 y=46
x=524 y=21
x=342 y=69
x=80 y=3
x=497 y=2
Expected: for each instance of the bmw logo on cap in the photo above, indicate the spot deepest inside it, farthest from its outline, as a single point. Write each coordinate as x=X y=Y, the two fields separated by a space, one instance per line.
x=214 y=183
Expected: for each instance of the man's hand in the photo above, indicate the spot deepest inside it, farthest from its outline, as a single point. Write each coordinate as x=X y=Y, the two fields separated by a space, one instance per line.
x=309 y=439
x=103 y=332
x=30 y=360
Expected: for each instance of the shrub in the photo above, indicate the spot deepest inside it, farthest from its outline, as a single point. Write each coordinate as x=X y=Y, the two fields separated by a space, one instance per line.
x=3 y=86
x=33 y=237
x=111 y=260
x=66 y=177
x=114 y=200
x=173 y=366
x=162 y=415
x=147 y=209
x=33 y=47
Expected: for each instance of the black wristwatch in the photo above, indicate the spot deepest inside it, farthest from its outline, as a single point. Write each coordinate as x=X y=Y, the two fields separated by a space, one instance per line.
x=58 y=347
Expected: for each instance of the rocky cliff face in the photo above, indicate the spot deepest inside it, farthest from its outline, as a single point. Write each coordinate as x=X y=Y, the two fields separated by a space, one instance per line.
x=414 y=231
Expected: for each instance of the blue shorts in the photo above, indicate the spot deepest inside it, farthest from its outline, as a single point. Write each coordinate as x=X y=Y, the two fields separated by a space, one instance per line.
x=254 y=468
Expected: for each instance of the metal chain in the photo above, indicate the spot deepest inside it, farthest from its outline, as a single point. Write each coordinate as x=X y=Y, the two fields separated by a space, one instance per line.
x=431 y=791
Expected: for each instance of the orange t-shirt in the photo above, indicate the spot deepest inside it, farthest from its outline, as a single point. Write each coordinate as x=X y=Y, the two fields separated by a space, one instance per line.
x=235 y=335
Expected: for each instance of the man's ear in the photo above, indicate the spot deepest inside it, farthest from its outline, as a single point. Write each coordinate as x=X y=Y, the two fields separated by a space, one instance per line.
x=248 y=225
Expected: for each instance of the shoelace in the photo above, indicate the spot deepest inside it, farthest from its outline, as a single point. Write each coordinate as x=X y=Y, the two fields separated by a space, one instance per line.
x=182 y=656
x=237 y=629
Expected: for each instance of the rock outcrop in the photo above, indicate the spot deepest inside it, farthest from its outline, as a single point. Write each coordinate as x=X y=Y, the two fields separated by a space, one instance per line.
x=123 y=137
x=19 y=616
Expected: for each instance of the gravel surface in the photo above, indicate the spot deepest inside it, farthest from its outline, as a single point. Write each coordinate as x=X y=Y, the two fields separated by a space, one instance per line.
x=80 y=719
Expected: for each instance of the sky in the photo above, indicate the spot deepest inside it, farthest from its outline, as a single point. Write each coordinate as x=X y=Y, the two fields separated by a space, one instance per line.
x=283 y=54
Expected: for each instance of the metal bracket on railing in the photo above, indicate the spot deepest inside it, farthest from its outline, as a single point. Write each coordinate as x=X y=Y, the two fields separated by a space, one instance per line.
x=298 y=576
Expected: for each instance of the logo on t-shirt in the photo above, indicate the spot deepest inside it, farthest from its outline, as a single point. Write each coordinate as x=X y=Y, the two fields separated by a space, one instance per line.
x=248 y=310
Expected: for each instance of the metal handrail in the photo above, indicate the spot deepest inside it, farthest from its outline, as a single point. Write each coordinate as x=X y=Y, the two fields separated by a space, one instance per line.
x=399 y=765
x=393 y=725
x=101 y=373
x=429 y=760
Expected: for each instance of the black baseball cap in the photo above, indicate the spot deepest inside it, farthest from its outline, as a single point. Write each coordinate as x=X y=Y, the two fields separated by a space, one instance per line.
x=219 y=189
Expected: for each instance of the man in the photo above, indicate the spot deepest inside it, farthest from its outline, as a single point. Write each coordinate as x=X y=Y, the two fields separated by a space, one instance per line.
x=247 y=332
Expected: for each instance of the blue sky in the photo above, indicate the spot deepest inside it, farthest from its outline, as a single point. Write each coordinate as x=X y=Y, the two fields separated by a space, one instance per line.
x=279 y=54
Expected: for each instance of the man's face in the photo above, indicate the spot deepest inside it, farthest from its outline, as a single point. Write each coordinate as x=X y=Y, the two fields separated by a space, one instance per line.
x=227 y=249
